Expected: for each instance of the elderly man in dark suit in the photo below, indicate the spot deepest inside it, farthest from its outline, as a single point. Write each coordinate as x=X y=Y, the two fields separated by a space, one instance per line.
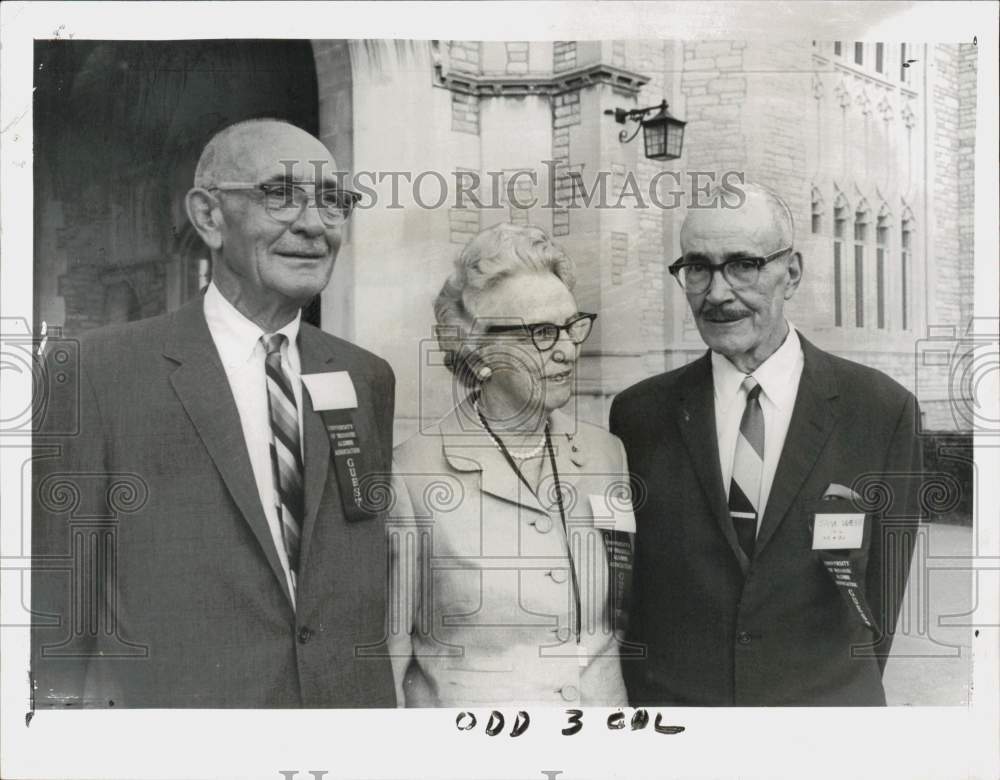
x=201 y=541
x=760 y=577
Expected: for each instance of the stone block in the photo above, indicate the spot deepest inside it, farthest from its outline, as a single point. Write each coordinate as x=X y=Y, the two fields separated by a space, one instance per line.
x=727 y=85
x=696 y=101
x=702 y=63
x=566 y=121
x=734 y=62
x=464 y=126
x=713 y=48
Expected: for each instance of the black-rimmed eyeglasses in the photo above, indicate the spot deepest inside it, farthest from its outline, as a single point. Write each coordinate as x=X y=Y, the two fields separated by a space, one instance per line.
x=285 y=201
x=695 y=277
x=544 y=335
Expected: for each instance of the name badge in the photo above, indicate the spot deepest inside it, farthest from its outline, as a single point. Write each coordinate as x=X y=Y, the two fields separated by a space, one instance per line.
x=838 y=531
x=353 y=446
x=331 y=390
x=840 y=541
x=616 y=515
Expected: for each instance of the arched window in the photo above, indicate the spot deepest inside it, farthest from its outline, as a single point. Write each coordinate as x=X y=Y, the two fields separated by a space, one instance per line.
x=881 y=257
x=905 y=265
x=817 y=211
x=841 y=209
x=861 y=219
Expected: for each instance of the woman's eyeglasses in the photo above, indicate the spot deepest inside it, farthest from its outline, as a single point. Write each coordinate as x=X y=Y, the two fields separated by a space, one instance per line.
x=544 y=335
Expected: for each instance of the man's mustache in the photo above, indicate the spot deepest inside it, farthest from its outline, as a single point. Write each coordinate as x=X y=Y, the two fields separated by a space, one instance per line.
x=723 y=313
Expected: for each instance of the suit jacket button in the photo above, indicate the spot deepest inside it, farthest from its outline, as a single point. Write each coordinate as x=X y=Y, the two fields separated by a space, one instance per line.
x=743 y=638
x=305 y=634
x=557 y=575
x=562 y=633
x=543 y=525
x=569 y=693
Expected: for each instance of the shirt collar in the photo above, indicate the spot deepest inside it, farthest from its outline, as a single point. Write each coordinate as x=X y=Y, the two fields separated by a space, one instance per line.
x=235 y=336
x=774 y=375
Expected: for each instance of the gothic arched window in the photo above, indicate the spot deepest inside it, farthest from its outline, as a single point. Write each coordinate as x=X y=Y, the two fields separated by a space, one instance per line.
x=817 y=211
x=841 y=210
x=907 y=227
x=881 y=257
x=861 y=220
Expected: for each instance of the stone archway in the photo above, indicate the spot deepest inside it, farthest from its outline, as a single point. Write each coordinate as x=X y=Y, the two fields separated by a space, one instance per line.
x=119 y=126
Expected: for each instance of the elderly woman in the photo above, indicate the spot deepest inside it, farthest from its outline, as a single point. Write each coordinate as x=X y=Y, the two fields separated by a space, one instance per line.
x=518 y=545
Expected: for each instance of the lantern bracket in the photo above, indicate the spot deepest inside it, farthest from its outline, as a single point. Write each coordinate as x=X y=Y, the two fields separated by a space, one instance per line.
x=623 y=115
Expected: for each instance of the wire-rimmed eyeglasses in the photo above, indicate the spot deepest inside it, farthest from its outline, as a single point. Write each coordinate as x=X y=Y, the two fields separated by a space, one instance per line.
x=285 y=201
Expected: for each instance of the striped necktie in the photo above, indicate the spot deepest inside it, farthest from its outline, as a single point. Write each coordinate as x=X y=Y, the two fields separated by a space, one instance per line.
x=744 y=490
x=286 y=454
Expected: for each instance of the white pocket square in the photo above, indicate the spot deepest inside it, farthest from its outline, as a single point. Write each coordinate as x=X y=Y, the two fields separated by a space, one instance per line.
x=841 y=491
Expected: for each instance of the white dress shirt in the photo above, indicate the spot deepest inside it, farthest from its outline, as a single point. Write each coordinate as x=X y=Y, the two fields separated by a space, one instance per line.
x=238 y=341
x=778 y=377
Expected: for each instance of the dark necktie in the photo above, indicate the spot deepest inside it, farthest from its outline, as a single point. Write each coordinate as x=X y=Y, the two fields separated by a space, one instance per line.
x=748 y=463
x=286 y=453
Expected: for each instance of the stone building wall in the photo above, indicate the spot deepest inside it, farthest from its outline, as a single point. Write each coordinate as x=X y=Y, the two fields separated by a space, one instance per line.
x=967 y=69
x=950 y=259
x=819 y=128
x=944 y=185
x=825 y=131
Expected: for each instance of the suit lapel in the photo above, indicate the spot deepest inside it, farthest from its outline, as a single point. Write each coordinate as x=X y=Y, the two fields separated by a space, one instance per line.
x=468 y=447
x=571 y=456
x=316 y=444
x=812 y=422
x=570 y=451
x=202 y=387
x=696 y=421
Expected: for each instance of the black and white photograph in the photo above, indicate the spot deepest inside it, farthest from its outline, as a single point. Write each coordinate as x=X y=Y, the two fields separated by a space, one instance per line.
x=552 y=398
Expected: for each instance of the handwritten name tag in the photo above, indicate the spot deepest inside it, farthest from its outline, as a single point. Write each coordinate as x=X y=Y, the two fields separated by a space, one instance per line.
x=616 y=515
x=838 y=530
x=331 y=390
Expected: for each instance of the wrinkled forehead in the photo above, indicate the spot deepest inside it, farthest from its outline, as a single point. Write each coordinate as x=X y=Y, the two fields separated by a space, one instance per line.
x=753 y=228
x=275 y=152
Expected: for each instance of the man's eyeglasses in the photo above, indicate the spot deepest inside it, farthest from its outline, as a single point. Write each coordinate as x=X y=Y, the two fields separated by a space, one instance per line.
x=285 y=201
x=740 y=272
x=544 y=335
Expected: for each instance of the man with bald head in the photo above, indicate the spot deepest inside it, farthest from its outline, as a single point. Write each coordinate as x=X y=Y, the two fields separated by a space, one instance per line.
x=761 y=578
x=246 y=571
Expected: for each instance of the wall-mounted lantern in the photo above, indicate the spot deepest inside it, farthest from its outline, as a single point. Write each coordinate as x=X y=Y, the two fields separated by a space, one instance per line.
x=663 y=133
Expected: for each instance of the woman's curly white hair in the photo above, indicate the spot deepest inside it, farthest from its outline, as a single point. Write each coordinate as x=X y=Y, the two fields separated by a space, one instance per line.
x=496 y=253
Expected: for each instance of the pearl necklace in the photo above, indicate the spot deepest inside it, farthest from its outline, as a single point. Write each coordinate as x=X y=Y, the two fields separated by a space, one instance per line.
x=499 y=444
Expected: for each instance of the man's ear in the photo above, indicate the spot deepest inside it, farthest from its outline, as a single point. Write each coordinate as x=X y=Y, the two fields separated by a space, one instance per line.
x=203 y=211
x=794 y=274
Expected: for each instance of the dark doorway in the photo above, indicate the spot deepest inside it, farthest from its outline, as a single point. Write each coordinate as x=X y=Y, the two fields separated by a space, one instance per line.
x=118 y=129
